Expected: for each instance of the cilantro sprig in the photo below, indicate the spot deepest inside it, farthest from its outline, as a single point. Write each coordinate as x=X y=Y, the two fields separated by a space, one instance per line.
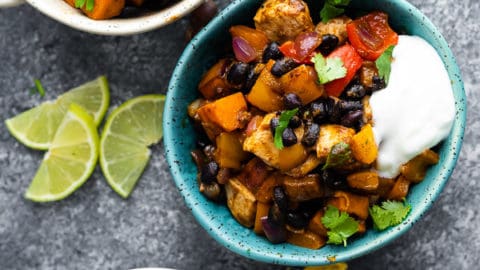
x=282 y=125
x=339 y=224
x=332 y=9
x=339 y=154
x=38 y=88
x=384 y=63
x=88 y=4
x=390 y=213
x=328 y=69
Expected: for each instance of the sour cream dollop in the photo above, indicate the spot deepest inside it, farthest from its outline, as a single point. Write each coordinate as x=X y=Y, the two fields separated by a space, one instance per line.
x=416 y=110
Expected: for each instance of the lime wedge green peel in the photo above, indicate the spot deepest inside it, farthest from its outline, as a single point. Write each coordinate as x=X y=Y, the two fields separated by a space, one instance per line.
x=129 y=130
x=36 y=127
x=70 y=160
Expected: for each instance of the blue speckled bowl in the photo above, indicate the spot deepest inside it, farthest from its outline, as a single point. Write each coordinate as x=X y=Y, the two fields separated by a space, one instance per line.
x=179 y=139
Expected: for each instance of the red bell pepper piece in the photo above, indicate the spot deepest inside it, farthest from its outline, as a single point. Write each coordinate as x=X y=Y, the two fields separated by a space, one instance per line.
x=352 y=62
x=371 y=35
x=288 y=50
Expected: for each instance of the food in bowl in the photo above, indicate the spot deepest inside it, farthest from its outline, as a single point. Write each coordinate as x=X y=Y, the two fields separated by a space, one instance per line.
x=312 y=131
x=106 y=9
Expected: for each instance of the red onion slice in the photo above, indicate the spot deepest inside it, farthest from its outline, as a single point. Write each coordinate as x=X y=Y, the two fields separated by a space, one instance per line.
x=274 y=232
x=243 y=51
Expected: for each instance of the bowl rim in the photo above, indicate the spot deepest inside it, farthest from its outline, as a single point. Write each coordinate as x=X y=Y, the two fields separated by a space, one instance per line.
x=116 y=26
x=381 y=239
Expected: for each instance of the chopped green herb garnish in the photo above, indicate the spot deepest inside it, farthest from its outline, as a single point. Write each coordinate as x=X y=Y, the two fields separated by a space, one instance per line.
x=328 y=69
x=282 y=125
x=332 y=9
x=339 y=224
x=81 y=3
x=38 y=88
x=339 y=154
x=384 y=63
x=391 y=213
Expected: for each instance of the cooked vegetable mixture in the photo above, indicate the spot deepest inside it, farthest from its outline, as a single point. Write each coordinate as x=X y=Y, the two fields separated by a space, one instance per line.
x=285 y=128
x=106 y=9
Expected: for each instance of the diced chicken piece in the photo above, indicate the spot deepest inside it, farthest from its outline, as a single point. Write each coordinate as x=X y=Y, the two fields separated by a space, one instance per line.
x=336 y=26
x=303 y=169
x=329 y=136
x=367 y=111
x=241 y=202
x=283 y=20
x=261 y=144
x=367 y=72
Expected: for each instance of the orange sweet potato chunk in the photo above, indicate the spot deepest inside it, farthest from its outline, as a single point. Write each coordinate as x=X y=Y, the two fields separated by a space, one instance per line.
x=363 y=145
x=265 y=93
x=306 y=239
x=213 y=82
x=225 y=112
x=262 y=211
x=350 y=203
x=364 y=180
x=302 y=81
x=105 y=9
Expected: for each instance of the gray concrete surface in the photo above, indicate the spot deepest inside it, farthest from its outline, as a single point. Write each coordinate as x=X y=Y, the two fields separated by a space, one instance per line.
x=96 y=229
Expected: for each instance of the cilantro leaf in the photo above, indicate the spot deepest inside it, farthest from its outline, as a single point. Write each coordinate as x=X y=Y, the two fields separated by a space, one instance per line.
x=384 y=63
x=390 y=213
x=332 y=9
x=328 y=69
x=339 y=154
x=282 y=125
x=89 y=4
x=339 y=224
x=38 y=88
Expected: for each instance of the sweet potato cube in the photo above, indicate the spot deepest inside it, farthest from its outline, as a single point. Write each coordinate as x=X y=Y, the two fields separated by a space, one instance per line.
x=351 y=203
x=384 y=186
x=304 y=188
x=302 y=81
x=262 y=211
x=291 y=157
x=226 y=112
x=399 y=189
x=213 y=82
x=229 y=152
x=105 y=9
x=315 y=225
x=266 y=92
x=254 y=174
x=364 y=148
x=306 y=239
x=366 y=180
x=415 y=170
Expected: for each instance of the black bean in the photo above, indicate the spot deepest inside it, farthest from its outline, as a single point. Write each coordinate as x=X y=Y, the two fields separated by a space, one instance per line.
x=288 y=137
x=352 y=118
x=319 y=110
x=276 y=215
x=250 y=80
x=291 y=101
x=280 y=198
x=355 y=91
x=209 y=172
x=335 y=112
x=283 y=66
x=238 y=73
x=297 y=219
x=334 y=180
x=329 y=43
x=272 y=52
x=312 y=131
x=295 y=122
x=378 y=83
x=274 y=122
x=350 y=105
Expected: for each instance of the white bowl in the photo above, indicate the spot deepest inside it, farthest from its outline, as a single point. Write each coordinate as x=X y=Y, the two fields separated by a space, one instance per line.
x=62 y=12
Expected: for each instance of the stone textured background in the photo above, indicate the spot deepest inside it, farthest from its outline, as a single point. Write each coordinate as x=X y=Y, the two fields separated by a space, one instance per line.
x=96 y=229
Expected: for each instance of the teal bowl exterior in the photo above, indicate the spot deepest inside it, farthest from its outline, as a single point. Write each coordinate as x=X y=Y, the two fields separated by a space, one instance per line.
x=179 y=139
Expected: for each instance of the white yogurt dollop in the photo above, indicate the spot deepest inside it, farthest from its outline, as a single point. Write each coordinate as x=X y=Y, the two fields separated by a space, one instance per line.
x=416 y=110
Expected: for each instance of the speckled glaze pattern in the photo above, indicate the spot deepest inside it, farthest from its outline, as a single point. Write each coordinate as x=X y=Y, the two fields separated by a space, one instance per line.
x=95 y=229
x=216 y=219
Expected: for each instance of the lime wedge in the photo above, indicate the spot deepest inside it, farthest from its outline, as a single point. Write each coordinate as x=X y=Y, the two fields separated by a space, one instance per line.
x=70 y=160
x=36 y=127
x=129 y=130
